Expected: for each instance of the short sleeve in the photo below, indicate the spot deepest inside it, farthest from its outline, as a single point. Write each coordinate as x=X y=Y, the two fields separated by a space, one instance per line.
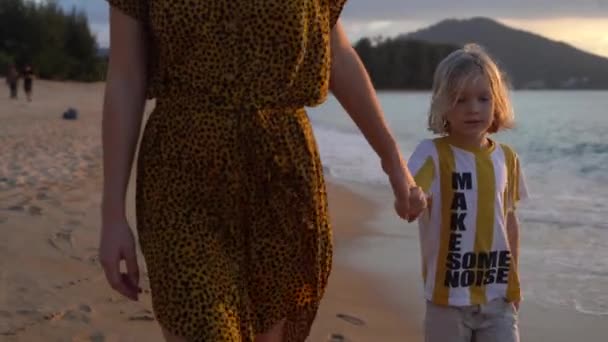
x=137 y=9
x=422 y=166
x=335 y=8
x=517 y=188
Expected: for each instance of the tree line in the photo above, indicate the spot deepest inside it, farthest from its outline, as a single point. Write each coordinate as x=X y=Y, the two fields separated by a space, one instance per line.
x=396 y=63
x=59 y=45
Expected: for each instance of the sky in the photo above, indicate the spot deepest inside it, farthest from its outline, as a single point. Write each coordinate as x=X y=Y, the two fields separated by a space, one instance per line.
x=581 y=23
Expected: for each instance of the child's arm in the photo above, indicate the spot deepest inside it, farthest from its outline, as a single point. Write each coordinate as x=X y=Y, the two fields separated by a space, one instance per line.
x=423 y=169
x=513 y=236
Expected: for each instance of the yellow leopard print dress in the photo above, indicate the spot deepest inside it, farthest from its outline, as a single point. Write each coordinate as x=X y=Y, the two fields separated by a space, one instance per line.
x=231 y=203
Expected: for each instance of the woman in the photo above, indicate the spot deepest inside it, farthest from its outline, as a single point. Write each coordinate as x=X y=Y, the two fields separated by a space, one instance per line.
x=12 y=79
x=231 y=202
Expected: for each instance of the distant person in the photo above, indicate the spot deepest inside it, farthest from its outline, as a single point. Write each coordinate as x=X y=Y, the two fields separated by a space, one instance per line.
x=12 y=80
x=28 y=80
x=469 y=234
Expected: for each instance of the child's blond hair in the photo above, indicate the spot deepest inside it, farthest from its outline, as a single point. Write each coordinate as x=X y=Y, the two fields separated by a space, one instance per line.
x=451 y=76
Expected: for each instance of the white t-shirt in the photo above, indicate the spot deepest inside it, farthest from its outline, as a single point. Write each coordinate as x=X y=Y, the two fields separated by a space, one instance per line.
x=466 y=259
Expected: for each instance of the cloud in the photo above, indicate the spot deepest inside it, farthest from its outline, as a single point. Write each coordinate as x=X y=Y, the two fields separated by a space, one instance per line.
x=439 y=9
x=391 y=17
x=382 y=10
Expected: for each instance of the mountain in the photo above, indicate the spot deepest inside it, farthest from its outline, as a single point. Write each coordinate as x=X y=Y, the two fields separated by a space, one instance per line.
x=530 y=60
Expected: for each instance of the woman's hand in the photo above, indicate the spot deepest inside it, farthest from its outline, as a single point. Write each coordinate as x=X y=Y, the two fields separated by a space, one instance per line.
x=417 y=203
x=410 y=200
x=410 y=207
x=117 y=244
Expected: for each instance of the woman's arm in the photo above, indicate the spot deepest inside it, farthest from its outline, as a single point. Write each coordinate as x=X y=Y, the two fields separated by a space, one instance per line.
x=123 y=109
x=122 y=115
x=352 y=86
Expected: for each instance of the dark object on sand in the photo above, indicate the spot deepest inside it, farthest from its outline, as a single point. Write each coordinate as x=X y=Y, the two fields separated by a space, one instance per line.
x=70 y=114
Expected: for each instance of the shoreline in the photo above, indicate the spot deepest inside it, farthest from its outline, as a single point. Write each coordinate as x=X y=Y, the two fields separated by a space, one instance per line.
x=354 y=306
x=387 y=253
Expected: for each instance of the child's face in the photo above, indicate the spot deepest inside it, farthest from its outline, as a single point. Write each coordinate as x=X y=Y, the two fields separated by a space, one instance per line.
x=472 y=113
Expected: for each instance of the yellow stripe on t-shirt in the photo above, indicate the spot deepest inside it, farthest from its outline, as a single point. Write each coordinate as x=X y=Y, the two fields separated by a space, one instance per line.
x=484 y=233
x=424 y=176
x=510 y=164
x=447 y=165
x=512 y=196
x=424 y=179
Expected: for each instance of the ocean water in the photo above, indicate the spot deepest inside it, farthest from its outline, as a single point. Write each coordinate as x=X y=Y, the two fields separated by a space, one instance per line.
x=561 y=137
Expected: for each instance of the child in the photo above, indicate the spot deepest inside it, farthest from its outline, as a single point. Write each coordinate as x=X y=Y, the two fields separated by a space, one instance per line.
x=469 y=233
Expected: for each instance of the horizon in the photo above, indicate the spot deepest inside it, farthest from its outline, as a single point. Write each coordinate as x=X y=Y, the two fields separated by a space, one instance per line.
x=582 y=24
x=355 y=34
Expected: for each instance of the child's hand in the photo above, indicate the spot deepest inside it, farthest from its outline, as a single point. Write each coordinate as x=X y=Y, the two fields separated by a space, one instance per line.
x=417 y=203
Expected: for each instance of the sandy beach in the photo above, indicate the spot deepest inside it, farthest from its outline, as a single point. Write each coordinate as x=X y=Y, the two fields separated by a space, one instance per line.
x=52 y=287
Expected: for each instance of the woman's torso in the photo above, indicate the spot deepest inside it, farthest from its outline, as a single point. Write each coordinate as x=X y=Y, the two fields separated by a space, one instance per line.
x=240 y=53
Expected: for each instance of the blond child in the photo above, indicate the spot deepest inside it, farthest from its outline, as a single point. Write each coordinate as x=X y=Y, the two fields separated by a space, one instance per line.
x=469 y=233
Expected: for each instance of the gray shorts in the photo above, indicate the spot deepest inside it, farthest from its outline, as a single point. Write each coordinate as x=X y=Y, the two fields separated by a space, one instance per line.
x=495 y=321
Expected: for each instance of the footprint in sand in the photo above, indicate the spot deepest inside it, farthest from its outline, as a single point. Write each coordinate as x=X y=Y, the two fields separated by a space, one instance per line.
x=93 y=337
x=73 y=223
x=34 y=210
x=17 y=204
x=62 y=241
x=351 y=319
x=143 y=315
x=42 y=194
x=76 y=199
x=85 y=308
x=335 y=337
x=14 y=200
x=73 y=282
x=70 y=212
x=34 y=317
x=11 y=331
x=54 y=202
x=93 y=259
x=80 y=314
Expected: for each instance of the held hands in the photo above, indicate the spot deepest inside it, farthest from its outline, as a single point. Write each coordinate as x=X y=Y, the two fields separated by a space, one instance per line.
x=410 y=200
x=410 y=207
x=417 y=203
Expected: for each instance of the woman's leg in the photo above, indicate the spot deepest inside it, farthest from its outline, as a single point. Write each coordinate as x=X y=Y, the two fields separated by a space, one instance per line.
x=169 y=337
x=275 y=334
